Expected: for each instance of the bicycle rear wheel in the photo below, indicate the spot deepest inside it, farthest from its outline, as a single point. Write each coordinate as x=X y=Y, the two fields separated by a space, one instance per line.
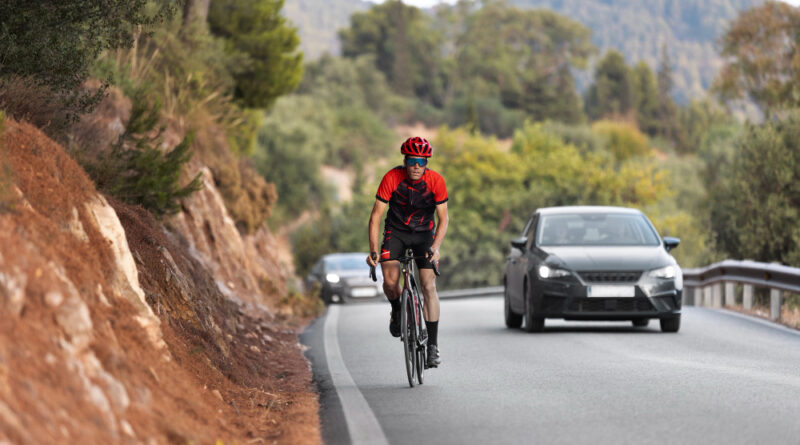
x=408 y=333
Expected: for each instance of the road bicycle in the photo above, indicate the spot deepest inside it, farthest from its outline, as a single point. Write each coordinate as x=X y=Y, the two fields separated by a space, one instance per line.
x=413 y=332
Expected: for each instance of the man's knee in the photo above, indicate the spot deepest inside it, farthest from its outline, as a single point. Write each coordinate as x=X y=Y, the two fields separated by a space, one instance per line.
x=390 y=289
x=429 y=288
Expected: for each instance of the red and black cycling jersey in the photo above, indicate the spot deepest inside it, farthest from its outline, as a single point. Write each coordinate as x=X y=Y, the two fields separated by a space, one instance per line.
x=411 y=204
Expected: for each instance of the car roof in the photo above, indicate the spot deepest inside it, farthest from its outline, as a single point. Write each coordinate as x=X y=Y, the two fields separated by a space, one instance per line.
x=586 y=209
x=337 y=256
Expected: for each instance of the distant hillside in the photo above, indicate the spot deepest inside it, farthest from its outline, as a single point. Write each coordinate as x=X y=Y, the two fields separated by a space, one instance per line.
x=318 y=21
x=636 y=28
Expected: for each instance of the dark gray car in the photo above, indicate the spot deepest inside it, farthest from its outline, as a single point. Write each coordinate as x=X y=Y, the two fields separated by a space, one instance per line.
x=592 y=263
x=344 y=277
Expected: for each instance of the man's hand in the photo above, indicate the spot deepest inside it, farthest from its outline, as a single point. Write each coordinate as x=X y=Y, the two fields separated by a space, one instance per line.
x=372 y=259
x=433 y=255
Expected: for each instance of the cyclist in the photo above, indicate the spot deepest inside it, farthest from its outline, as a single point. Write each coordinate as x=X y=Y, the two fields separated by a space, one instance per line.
x=413 y=193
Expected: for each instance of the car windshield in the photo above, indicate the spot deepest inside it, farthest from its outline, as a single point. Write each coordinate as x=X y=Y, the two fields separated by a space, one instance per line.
x=596 y=229
x=346 y=263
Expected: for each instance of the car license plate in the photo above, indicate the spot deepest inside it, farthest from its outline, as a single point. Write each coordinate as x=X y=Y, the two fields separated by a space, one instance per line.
x=364 y=292
x=610 y=291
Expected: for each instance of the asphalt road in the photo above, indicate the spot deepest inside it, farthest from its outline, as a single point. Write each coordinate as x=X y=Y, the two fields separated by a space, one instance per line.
x=724 y=378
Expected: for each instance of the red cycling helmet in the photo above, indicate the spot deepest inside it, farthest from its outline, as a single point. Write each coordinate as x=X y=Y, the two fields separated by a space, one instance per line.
x=417 y=146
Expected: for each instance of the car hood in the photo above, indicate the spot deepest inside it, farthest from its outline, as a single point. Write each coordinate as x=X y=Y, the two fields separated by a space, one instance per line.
x=608 y=258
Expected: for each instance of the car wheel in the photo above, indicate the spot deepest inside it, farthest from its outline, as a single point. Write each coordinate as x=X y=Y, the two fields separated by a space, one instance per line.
x=532 y=322
x=640 y=322
x=672 y=324
x=513 y=320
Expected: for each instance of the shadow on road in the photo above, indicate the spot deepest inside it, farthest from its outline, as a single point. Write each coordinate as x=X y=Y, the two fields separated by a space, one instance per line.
x=599 y=329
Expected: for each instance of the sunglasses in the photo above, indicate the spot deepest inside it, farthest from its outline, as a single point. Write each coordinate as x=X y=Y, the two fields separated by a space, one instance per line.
x=422 y=162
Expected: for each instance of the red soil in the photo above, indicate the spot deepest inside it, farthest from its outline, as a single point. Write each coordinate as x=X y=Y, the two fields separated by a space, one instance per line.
x=229 y=373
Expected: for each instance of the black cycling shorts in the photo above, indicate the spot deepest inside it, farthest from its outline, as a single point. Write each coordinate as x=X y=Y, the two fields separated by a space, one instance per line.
x=395 y=243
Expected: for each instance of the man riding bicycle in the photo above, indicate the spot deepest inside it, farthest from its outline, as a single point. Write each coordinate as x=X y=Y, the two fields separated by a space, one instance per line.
x=413 y=193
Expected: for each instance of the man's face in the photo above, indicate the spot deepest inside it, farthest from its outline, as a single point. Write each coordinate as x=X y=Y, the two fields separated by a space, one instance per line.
x=415 y=166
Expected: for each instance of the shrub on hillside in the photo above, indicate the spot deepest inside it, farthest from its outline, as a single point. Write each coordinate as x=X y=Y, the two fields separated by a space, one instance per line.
x=624 y=140
x=754 y=210
x=135 y=169
x=581 y=136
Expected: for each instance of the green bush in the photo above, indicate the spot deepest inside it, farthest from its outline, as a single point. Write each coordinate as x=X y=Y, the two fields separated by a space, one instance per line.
x=135 y=170
x=581 y=136
x=754 y=211
x=624 y=140
x=148 y=177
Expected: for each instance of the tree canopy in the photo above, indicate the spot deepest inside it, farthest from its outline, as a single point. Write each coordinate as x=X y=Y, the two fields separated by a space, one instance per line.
x=526 y=56
x=613 y=91
x=270 y=64
x=405 y=46
x=762 y=50
x=56 y=43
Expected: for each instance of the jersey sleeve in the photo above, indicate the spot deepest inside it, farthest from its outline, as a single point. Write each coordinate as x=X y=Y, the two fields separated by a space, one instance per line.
x=439 y=190
x=387 y=186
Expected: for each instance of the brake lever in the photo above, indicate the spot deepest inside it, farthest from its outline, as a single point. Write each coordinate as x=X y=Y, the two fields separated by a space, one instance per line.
x=372 y=275
x=436 y=264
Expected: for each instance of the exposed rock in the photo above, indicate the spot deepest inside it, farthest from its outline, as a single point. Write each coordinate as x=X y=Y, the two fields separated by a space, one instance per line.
x=12 y=288
x=75 y=227
x=82 y=353
x=74 y=318
x=127 y=282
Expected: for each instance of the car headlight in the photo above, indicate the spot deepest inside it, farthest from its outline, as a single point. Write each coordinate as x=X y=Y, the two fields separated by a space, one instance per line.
x=332 y=278
x=663 y=272
x=551 y=272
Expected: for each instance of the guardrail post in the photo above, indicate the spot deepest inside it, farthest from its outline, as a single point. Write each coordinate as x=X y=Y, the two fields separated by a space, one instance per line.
x=775 y=304
x=730 y=293
x=707 y=296
x=747 y=296
x=717 y=292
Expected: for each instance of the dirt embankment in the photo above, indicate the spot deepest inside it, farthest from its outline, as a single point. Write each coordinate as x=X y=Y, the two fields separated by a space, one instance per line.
x=117 y=328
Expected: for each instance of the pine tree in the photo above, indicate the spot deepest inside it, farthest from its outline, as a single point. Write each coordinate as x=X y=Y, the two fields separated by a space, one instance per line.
x=647 y=99
x=668 y=111
x=612 y=92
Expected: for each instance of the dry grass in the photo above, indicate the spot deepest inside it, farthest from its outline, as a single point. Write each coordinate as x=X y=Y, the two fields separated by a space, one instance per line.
x=26 y=101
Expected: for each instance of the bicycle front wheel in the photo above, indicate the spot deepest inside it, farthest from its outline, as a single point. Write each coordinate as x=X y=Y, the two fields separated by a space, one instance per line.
x=420 y=343
x=408 y=333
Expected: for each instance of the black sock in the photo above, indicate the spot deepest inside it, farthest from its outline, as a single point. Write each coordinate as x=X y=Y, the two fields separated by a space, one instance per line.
x=395 y=304
x=433 y=332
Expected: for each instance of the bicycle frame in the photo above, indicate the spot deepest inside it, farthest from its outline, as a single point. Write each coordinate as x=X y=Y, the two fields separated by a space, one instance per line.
x=414 y=333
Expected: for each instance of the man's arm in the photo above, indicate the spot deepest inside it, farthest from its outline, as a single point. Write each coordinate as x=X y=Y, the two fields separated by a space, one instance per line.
x=441 y=229
x=374 y=228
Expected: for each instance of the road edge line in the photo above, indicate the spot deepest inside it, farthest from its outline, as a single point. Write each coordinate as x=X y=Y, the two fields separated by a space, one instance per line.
x=362 y=424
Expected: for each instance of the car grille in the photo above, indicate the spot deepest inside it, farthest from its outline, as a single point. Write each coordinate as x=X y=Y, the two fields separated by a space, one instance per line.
x=611 y=305
x=610 y=277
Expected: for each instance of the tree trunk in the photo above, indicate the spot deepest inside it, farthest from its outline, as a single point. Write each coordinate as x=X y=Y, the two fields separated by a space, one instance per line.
x=195 y=11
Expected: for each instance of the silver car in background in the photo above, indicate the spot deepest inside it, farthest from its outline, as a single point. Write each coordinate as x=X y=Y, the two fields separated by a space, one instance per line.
x=344 y=277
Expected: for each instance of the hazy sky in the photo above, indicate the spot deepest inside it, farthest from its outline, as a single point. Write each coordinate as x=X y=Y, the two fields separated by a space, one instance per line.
x=427 y=3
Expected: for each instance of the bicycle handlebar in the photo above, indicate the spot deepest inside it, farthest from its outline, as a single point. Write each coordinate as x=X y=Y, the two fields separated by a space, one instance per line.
x=402 y=259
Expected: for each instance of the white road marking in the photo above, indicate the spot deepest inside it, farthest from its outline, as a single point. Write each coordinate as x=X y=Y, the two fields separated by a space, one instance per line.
x=361 y=422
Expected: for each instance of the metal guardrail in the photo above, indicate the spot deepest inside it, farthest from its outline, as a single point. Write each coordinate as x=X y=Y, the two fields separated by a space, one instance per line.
x=478 y=292
x=704 y=286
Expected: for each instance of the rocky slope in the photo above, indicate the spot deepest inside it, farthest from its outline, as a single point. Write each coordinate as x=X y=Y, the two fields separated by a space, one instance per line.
x=117 y=328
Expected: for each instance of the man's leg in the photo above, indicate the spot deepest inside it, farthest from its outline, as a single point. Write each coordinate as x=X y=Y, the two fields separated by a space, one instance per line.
x=428 y=280
x=392 y=289
x=431 y=313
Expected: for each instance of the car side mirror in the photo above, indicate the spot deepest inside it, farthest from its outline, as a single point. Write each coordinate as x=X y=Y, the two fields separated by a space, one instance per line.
x=520 y=243
x=670 y=242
